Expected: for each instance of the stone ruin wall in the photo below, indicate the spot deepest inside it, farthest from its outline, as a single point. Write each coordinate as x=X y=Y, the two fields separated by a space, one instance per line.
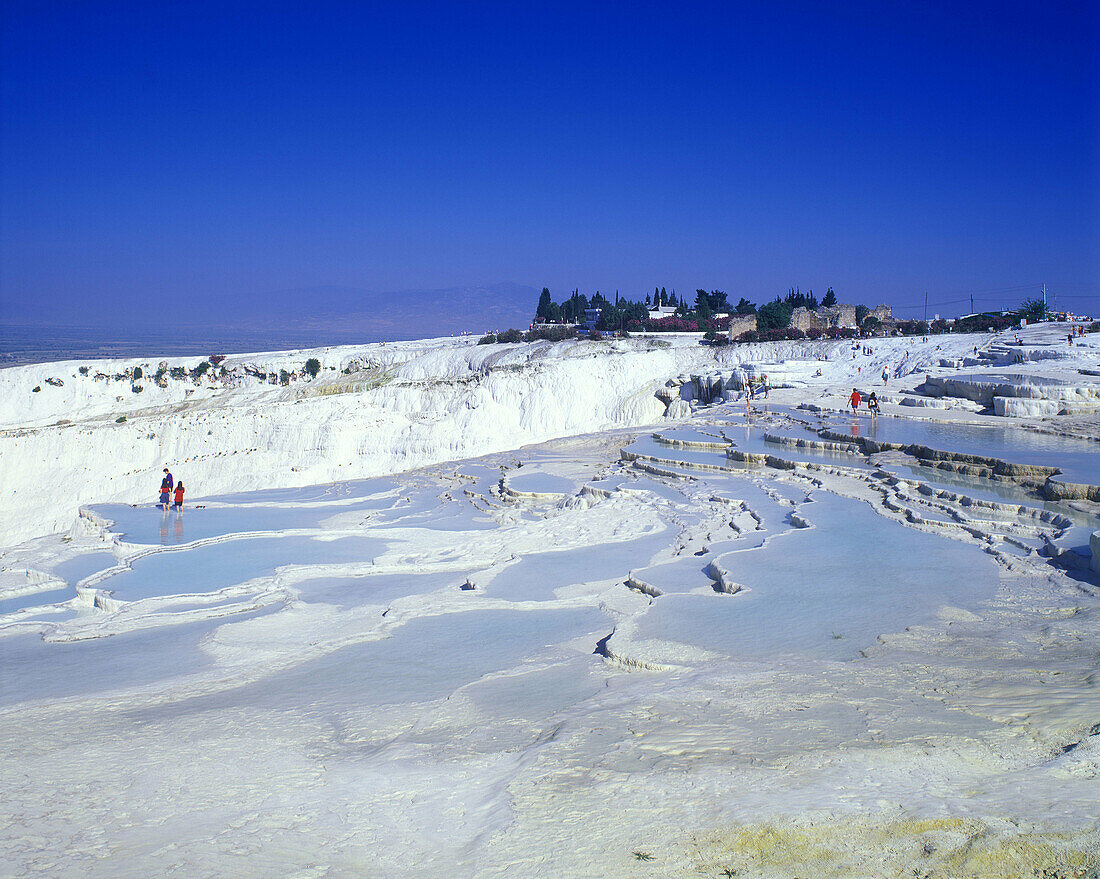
x=741 y=323
x=845 y=316
x=821 y=318
x=802 y=318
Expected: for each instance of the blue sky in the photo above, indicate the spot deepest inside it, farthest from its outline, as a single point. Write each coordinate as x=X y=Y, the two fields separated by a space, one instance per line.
x=195 y=162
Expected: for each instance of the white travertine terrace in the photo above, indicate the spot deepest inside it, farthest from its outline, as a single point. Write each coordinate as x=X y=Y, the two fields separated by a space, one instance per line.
x=487 y=611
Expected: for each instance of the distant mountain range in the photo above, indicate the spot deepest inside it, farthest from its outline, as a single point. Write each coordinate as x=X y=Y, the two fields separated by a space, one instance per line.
x=408 y=314
x=346 y=310
x=293 y=318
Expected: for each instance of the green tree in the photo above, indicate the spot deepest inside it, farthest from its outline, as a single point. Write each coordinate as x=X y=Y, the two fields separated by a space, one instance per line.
x=861 y=314
x=829 y=300
x=635 y=311
x=313 y=367
x=580 y=303
x=572 y=310
x=776 y=315
x=797 y=299
x=545 y=302
x=745 y=307
x=598 y=301
x=702 y=309
x=1033 y=310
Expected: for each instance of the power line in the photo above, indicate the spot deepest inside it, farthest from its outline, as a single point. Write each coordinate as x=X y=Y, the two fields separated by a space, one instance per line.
x=995 y=290
x=957 y=301
x=996 y=299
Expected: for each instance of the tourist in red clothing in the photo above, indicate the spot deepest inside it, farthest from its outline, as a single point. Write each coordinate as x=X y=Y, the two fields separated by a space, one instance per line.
x=854 y=399
x=179 y=496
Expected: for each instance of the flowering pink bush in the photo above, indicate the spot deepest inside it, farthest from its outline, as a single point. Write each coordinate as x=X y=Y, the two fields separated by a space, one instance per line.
x=550 y=332
x=781 y=334
x=839 y=332
x=671 y=324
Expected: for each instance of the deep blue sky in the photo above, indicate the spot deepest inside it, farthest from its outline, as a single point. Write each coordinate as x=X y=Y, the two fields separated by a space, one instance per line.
x=169 y=162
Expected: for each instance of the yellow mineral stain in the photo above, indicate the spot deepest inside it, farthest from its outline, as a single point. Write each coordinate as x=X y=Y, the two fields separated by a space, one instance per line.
x=925 y=848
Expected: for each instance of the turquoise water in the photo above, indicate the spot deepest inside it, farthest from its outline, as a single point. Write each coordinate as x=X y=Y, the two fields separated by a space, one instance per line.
x=829 y=591
x=424 y=660
x=1013 y=379
x=215 y=566
x=35 y=669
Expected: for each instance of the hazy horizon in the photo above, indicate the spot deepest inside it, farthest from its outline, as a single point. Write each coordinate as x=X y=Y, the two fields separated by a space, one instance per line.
x=336 y=316
x=166 y=165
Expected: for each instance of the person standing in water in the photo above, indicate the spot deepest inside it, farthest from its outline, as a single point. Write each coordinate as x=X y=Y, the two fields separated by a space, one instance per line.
x=854 y=399
x=872 y=403
x=179 y=497
x=168 y=478
x=885 y=375
x=165 y=491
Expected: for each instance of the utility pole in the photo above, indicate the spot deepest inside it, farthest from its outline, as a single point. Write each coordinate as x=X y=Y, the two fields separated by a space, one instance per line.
x=1044 y=297
x=971 y=303
x=926 y=306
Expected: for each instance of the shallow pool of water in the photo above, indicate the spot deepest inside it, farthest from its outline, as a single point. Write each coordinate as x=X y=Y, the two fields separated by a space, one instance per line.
x=539 y=483
x=424 y=660
x=1079 y=460
x=215 y=566
x=828 y=591
x=1016 y=379
x=36 y=669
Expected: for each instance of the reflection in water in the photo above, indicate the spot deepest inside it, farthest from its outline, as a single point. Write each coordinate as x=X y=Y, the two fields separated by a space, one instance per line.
x=177 y=529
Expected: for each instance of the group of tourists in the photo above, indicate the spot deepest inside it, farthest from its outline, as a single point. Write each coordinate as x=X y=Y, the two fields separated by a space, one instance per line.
x=752 y=390
x=170 y=489
x=855 y=398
